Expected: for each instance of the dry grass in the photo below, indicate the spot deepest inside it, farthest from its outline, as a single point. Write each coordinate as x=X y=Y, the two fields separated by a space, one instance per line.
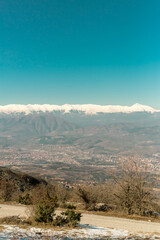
x=1 y=228
x=14 y=220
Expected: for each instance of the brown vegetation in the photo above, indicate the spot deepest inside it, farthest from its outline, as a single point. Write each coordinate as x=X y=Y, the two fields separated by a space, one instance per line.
x=129 y=192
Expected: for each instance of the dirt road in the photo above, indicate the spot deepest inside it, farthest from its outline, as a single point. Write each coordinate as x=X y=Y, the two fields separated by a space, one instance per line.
x=13 y=210
x=94 y=220
x=133 y=226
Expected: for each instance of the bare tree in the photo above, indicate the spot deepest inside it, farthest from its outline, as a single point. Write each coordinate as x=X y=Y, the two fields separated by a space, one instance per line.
x=88 y=196
x=133 y=191
x=8 y=190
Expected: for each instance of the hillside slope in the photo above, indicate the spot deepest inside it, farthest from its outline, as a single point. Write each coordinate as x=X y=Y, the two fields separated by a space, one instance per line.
x=21 y=180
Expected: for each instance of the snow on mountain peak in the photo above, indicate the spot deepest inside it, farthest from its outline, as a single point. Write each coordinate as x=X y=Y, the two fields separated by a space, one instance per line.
x=67 y=108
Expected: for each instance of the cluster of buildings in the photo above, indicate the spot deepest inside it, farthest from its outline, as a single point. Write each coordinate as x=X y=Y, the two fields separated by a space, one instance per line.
x=65 y=156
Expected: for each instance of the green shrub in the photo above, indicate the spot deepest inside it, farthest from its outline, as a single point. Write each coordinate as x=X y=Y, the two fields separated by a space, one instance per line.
x=59 y=221
x=44 y=212
x=26 y=200
x=68 y=218
x=72 y=218
x=45 y=209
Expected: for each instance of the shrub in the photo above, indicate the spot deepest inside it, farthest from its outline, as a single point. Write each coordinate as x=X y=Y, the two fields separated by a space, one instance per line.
x=26 y=199
x=8 y=190
x=44 y=212
x=88 y=196
x=72 y=218
x=59 y=221
x=11 y=220
x=45 y=209
x=68 y=218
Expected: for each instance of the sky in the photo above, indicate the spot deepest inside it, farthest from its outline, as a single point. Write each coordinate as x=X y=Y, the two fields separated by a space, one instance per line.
x=80 y=52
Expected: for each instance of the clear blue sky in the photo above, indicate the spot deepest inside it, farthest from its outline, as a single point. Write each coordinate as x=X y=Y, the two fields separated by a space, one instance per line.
x=80 y=51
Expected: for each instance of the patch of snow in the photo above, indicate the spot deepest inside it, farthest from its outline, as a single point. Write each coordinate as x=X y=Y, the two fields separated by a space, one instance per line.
x=85 y=232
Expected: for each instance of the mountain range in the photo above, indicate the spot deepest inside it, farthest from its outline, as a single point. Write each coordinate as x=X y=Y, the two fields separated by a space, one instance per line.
x=66 y=108
x=115 y=128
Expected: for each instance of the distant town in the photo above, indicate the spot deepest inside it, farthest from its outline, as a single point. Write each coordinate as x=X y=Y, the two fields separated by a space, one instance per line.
x=71 y=165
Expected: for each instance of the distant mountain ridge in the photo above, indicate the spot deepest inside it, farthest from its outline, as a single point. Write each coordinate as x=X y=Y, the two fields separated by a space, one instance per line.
x=112 y=131
x=84 y=126
x=90 y=109
x=33 y=125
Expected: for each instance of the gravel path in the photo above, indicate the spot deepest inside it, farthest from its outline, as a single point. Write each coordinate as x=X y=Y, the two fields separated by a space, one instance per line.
x=133 y=226
x=94 y=220
x=13 y=210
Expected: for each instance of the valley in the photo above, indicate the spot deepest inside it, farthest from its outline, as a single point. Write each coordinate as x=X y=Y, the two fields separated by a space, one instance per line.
x=77 y=148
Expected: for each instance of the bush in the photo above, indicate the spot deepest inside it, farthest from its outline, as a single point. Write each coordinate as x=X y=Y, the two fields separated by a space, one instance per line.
x=8 y=190
x=11 y=220
x=68 y=218
x=59 y=221
x=45 y=208
x=72 y=218
x=88 y=197
x=26 y=200
x=44 y=212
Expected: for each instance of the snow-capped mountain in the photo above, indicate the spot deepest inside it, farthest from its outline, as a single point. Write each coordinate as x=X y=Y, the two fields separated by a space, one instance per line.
x=90 y=109
x=87 y=126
